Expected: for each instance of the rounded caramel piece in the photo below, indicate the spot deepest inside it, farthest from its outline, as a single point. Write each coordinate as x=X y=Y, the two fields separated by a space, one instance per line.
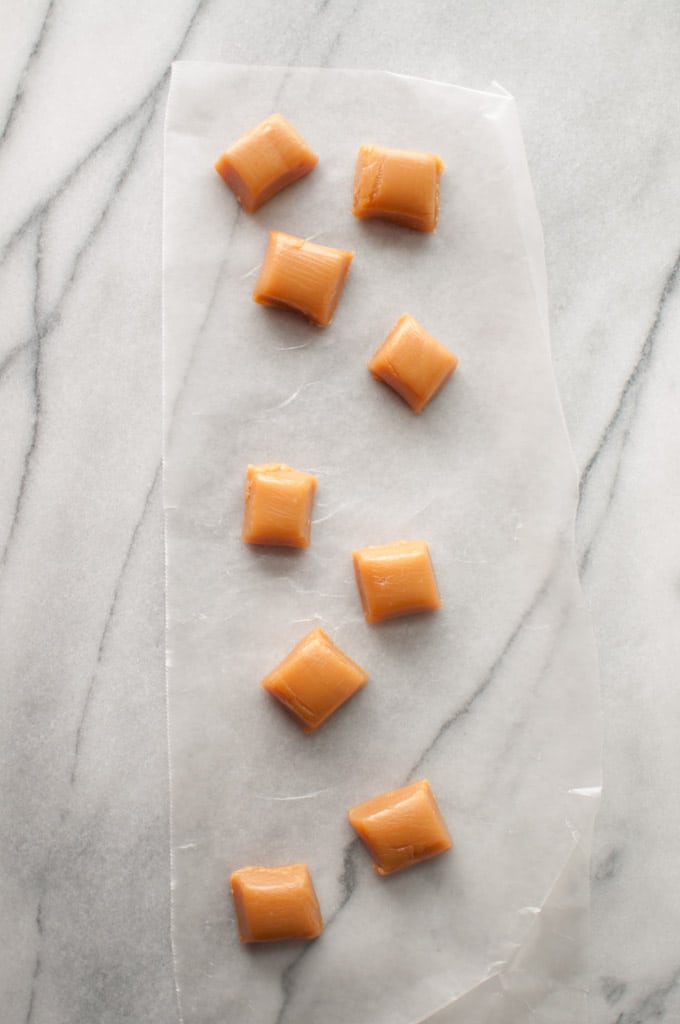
x=278 y=506
x=275 y=903
x=395 y=579
x=302 y=276
x=314 y=680
x=265 y=160
x=412 y=362
x=398 y=185
x=402 y=827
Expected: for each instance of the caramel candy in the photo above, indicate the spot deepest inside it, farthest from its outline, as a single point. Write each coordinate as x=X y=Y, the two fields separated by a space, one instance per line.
x=276 y=903
x=402 y=827
x=413 y=362
x=302 y=276
x=397 y=185
x=395 y=579
x=278 y=506
x=314 y=680
x=265 y=160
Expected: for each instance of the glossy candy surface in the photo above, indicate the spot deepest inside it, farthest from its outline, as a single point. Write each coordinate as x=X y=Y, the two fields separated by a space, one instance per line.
x=398 y=185
x=412 y=362
x=278 y=506
x=302 y=276
x=314 y=680
x=395 y=579
x=402 y=827
x=275 y=903
x=265 y=160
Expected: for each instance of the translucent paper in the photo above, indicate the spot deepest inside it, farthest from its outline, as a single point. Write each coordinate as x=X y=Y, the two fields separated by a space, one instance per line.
x=493 y=698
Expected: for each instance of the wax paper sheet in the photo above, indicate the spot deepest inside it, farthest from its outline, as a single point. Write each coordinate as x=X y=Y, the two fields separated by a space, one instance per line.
x=494 y=698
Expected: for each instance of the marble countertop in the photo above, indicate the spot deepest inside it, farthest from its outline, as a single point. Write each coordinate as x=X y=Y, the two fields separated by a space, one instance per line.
x=84 y=872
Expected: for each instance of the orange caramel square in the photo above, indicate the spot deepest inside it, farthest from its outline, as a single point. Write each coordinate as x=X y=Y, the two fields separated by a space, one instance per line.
x=264 y=160
x=278 y=506
x=314 y=680
x=302 y=276
x=275 y=903
x=397 y=185
x=413 y=362
x=395 y=579
x=401 y=827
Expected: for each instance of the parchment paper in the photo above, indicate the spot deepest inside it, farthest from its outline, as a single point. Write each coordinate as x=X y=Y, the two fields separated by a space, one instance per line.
x=494 y=699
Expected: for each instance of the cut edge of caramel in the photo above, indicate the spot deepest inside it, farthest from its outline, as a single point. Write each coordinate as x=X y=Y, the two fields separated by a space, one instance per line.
x=401 y=218
x=304 y=540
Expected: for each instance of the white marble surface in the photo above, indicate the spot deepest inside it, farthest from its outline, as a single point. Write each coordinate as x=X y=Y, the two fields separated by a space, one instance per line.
x=83 y=795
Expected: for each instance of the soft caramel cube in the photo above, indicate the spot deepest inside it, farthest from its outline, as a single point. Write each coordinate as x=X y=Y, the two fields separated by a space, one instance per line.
x=402 y=827
x=265 y=160
x=302 y=276
x=397 y=185
x=395 y=579
x=278 y=506
x=413 y=362
x=314 y=680
x=276 y=903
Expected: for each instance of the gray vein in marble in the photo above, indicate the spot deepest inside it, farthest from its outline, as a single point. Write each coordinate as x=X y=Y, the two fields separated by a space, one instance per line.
x=613 y=989
x=17 y=98
x=287 y=982
x=10 y=357
x=210 y=306
x=337 y=37
x=44 y=325
x=651 y=1006
x=35 y=342
x=348 y=876
x=514 y=728
x=48 y=321
x=627 y=404
x=321 y=61
x=347 y=881
x=37 y=966
x=108 y=203
x=108 y=620
x=152 y=96
x=487 y=680
x=609 y=866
